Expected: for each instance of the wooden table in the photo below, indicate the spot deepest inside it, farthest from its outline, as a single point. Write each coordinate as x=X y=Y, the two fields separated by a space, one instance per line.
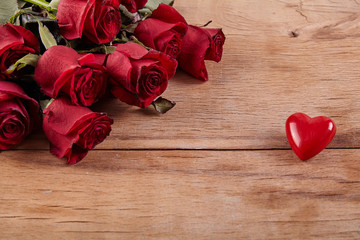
x=218 y=166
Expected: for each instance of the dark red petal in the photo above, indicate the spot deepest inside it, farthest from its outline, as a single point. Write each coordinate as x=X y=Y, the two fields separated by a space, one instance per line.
x=169 y=43
x=196 y=43
x=75 y=155
x=125 y=96
x=217 y=37
x=169 y=63
x=55 y=67
x=100 y=59
x=71 y=16
x=131 y=50
x=168 y=14
x=137 y=68
x=89 y=57
x=119 y=67
x=63 y=125
x=13 y=98
x=29 y=38
x=9 y=37
x=60 y=145
x=133 y=5
x=62 y=115
x=102 y=23
x=150 y=29
x=12 y=89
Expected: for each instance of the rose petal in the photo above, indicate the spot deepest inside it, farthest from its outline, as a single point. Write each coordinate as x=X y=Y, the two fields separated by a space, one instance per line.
x=71 y=17
x=62 y=70
x=168 y=14
x=29 y=38
x=11 y=35
x=54 y=68
x=103 y=22
x=75 y=155
x=119 y=67
x=125 y=96
x=165 y=60
x=131 y=50
x=64 y=125
x=13 y=89
x=137 y=68
x=134 y=5
x=100 y=59
x=128 y=73
x=196 y=43
x=150 y=29
x=64 y=122
x=217 y=37
x=18 y=114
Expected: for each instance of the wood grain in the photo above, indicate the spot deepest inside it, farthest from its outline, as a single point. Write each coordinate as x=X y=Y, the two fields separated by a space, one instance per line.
x=181 y=195
x=218 y=165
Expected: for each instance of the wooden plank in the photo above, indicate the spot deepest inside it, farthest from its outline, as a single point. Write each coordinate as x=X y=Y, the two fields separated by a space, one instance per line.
x=280 y=57
x=180 y=195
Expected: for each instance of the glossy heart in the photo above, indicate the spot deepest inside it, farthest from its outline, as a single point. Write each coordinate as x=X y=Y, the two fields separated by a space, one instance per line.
x=309 y=136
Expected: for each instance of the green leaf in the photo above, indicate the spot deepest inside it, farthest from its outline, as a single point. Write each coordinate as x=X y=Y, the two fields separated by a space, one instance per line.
x=130 y=28
x=163 y=105
x=46 y=36
x=126 y=12
x=21 y=3
x=45 y=103
x=41 y=3
x=153 y=4
x=145 y=12
x=28 y=60
x=54 y=4
x=7 y=9
x=108 y=49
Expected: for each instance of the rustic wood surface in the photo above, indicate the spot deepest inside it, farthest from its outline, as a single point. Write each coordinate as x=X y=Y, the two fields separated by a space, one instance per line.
x=218 y=166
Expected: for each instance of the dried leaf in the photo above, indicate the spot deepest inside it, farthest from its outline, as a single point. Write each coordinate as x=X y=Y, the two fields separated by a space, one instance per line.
x=162 y=105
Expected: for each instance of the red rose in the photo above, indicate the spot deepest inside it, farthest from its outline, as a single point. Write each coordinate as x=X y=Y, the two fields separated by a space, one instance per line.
x=18 y=114
x=133 y=5
x=163 y=31
x=15 y=43
x=200 y=44
x=62 y=71
x=137 y=75
x=217 y=41
x=74 y=130
x=98 y=20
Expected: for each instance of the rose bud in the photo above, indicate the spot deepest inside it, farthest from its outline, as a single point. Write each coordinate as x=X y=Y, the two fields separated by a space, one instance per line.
x=74 y=130
x=97 y=20
x=19 y=114
x=200 y=44
x=137 y=75
x=62 y=71
x=163 y=31
x=15 y=43
x=215 y=51
x=133 y=5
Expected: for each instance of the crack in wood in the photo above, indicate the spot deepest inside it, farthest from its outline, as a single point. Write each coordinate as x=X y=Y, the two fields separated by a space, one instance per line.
x=301 y=11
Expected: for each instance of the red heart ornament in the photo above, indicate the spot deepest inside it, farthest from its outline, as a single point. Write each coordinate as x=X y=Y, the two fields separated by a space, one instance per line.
x=309 y=136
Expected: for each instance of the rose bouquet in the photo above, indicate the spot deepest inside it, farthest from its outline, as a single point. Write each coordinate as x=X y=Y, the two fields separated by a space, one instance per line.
x=59 y=57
